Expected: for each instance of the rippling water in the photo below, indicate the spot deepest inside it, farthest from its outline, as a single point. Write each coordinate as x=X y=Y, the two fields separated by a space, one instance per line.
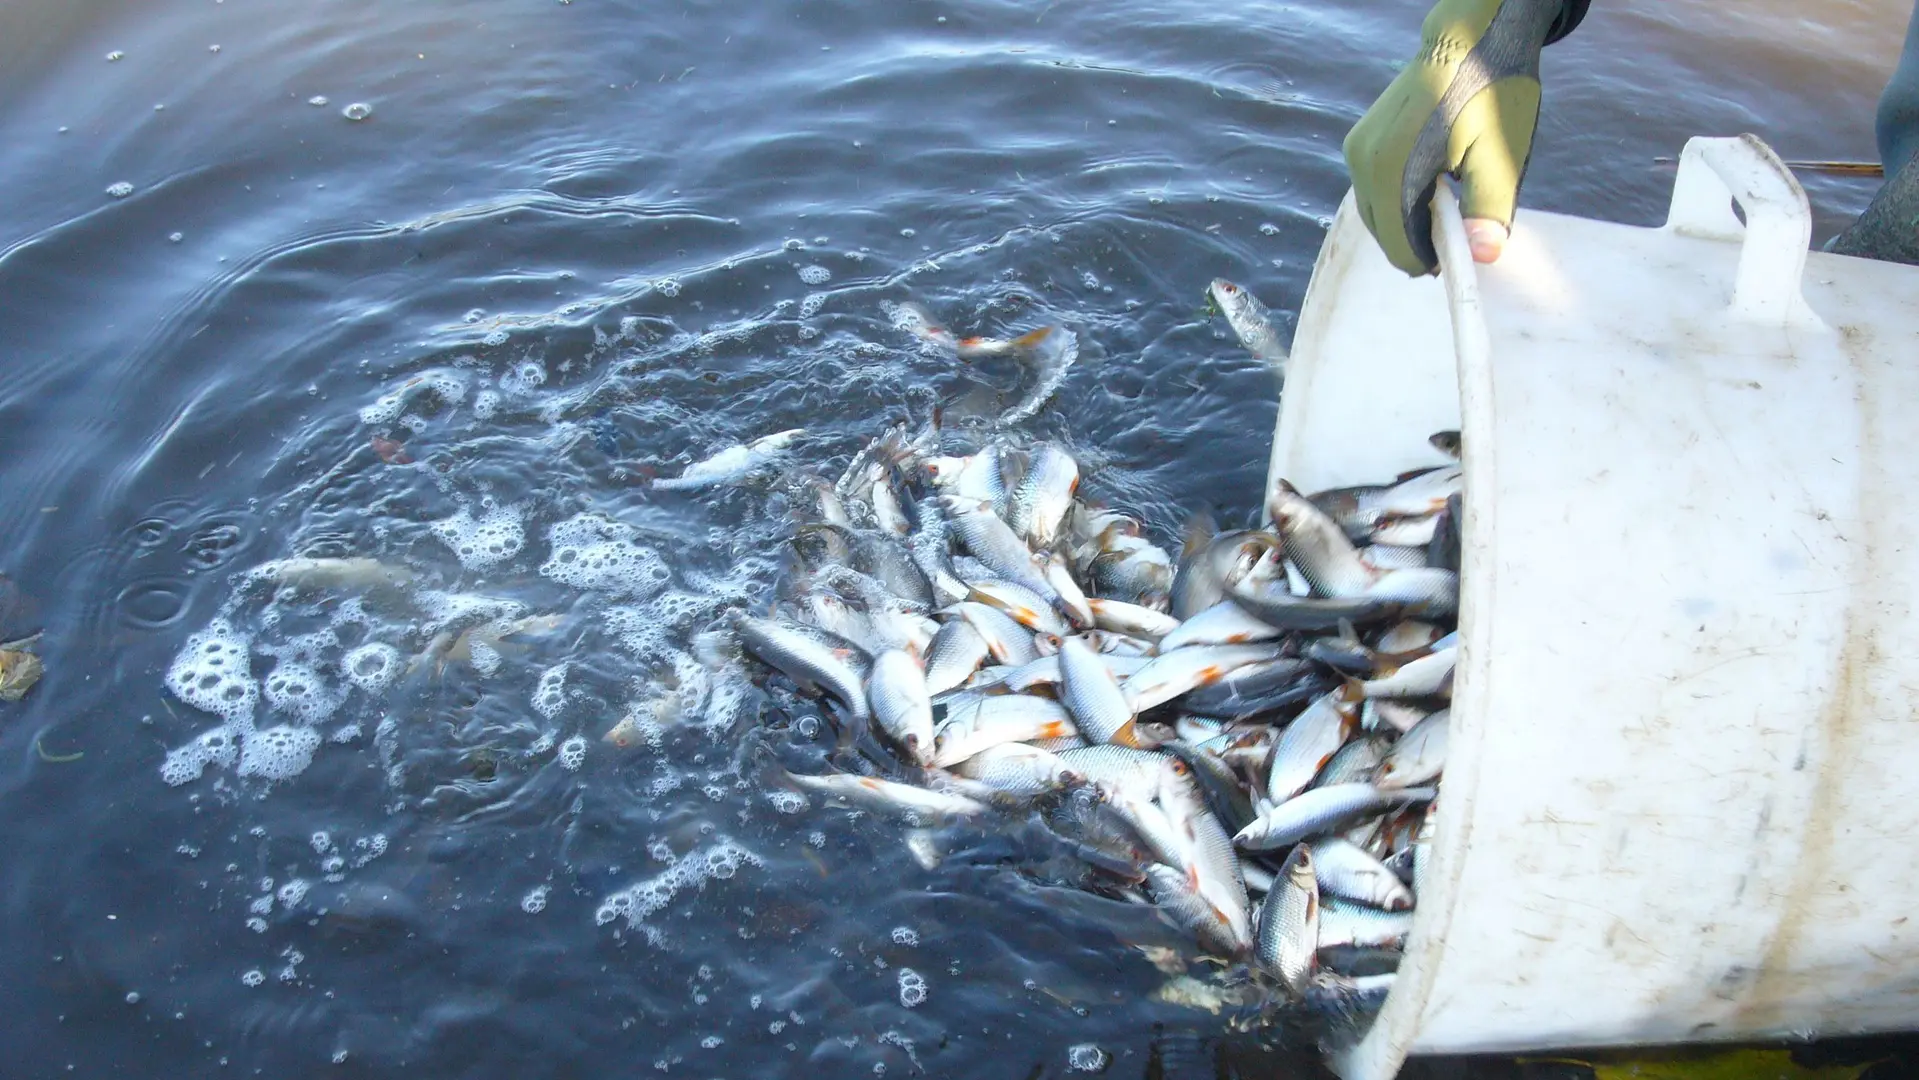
x=633 y=233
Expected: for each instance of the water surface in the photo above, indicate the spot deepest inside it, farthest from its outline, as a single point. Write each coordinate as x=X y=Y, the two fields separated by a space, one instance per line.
x=647 y=230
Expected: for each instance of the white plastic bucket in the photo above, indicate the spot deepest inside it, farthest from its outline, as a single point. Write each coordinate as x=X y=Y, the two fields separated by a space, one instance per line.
x=1680 y=804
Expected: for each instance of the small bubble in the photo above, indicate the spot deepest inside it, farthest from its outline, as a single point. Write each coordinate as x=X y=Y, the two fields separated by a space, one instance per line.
x=133 y=997
x=909 y=233
x=534 y=902
x=115 y=55
x=213 y=48
x=317 y=100
x=359 y=110
x=711 y=1041
x=339 y=1057
x=254 y=977
x=176 y=237
x=120 y=190
x=1268 y=228
x=1087 y=1057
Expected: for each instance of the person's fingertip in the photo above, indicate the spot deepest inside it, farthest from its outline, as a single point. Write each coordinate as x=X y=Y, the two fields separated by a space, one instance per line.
x=1487 y=239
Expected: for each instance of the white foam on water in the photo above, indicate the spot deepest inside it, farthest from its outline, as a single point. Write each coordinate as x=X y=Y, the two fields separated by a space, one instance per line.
x=297 y=689
x=636 y=902
x=292 y=893
x=278 y=753
x=496 y=535
x=815 y=275
x=485 y=404
x=445 y=610
x=549 y=697
x=485 y=658
x=448 y=386
x=599 y=554
x=213 y=673
x=572 y=753
x=215 y=746
x=372 y=667
x=253 y=978
x=811 y=305
x=786 y=802
x=905 y=935
x=534 y=902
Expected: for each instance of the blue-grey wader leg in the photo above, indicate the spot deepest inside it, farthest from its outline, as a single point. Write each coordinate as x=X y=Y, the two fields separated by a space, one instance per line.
x=1889 y=229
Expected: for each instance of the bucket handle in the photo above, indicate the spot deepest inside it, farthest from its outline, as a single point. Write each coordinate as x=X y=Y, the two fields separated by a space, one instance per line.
x=1715 y=173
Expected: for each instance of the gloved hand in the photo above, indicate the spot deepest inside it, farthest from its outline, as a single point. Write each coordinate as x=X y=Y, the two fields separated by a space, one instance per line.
x=1466 y=105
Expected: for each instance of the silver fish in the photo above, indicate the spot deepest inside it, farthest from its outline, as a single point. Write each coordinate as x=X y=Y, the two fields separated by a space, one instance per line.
x=1251 y=322
x=1430 y=675
x=1356 y=763
x=956 y=652
x=1017 y=769
x=1419 y=756
x=1410 y=636
x=354 y=573
x=1225 y=623
x=1402 y=533
x=1027 y=607
x=1322 y=810
x=973 y=726
x=1317 y=545
x=1177 y=672
x=800 y=653
x=896 y=691
x=1007 y=640
x=1100 y=710
x=1428 y=591
x=1210 y=564
x=990 y=541
x=1133 y=619
x=1039 y=504
x=1072 y=600
x=1049 y=351
x=1383 y=556
x=1423 y=494
x=1289 y=923
x=1178 y=895
x=1343 y=922
x=730 y=464
x=1386 y=714
x=1446 y=442
x=890 y=797
x=1343 y=869
x=1309 y=742
x=1134 y=570
x=1423 y=848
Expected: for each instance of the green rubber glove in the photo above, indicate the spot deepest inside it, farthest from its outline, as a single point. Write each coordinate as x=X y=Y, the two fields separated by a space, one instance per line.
x=1467 y=105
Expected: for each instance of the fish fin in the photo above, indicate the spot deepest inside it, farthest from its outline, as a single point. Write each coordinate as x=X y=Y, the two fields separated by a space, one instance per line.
x=1032 y=339
x=1199 y=531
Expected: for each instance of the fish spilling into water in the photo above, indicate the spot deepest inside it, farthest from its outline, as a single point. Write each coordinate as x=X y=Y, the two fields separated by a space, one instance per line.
x=1247 y=734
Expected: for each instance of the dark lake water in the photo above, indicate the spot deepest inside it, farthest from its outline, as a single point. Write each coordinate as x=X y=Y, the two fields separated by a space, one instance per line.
x=617 y=236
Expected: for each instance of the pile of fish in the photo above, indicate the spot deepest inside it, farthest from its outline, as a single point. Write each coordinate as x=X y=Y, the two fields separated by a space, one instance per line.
x=1248 y=735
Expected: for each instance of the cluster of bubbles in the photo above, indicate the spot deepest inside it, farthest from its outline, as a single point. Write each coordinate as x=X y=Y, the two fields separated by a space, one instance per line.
x=495 y=536
x=636 y=903
x=534 y=902
x=599 y=554
x=549 y=696
x=912 y=988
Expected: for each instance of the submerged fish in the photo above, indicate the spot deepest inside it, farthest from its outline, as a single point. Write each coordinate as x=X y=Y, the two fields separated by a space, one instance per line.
x=350 y=573
x=731 y=464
